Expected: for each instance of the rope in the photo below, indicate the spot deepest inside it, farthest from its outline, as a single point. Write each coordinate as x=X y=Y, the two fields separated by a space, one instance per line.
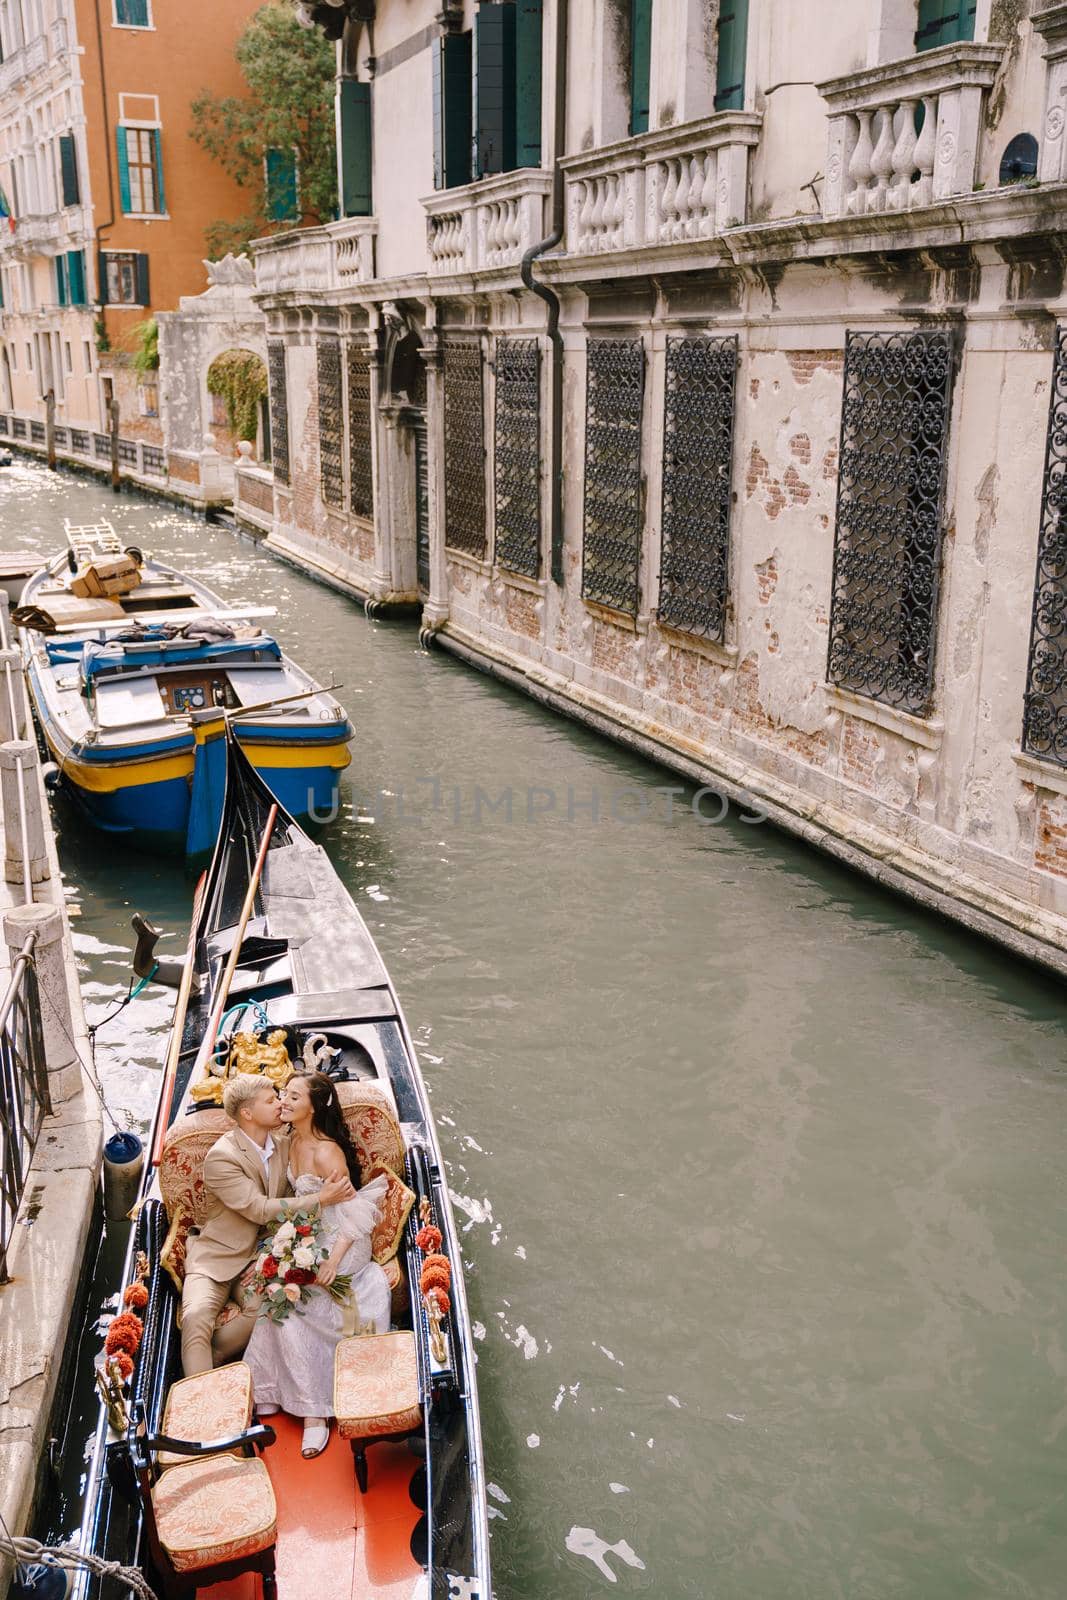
x=89 y=1068
x=26 y=1551
x=131 y=994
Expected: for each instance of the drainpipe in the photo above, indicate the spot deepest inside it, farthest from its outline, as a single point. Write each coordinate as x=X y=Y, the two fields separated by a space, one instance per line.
x=101 y=226
x=551 y=299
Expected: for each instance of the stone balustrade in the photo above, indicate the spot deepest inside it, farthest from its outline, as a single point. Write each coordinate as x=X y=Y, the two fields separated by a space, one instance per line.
x=31 y=58
x=312 y=260
x=906 y=134
x=489 y=224
x=676 y=184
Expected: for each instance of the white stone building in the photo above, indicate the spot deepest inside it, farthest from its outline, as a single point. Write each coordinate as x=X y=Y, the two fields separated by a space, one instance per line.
x=691 y=365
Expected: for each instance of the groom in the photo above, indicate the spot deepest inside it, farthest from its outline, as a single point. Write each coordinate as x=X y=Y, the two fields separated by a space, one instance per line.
x=245 y=1179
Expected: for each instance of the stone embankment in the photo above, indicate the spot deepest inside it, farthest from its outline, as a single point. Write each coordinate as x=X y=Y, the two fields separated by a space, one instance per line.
x=48 y=1239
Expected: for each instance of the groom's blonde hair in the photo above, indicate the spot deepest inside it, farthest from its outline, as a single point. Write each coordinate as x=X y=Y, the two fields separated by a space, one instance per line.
x=240 y=1089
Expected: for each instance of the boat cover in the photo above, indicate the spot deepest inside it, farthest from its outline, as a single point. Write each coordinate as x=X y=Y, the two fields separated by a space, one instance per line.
x=94 y=657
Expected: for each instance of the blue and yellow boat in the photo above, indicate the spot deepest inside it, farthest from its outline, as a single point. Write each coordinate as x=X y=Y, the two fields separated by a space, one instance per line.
x=134 y=694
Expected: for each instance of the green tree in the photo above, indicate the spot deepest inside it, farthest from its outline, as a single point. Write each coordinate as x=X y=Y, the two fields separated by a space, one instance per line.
x=289 y=106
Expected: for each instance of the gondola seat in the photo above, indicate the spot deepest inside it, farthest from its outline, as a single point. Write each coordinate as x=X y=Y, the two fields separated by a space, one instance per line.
x=210 y=1519
x=378 y=1140
x=211 y=1405
x=376 y=1392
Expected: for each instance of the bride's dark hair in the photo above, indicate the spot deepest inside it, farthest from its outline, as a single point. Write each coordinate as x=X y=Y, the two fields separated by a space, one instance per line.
x=328 y=1119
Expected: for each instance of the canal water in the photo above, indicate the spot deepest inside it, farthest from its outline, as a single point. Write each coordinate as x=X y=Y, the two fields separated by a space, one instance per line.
x=762 y=1175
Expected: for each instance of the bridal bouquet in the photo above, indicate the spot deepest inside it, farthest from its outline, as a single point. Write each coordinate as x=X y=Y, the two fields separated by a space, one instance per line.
x=284 y=1271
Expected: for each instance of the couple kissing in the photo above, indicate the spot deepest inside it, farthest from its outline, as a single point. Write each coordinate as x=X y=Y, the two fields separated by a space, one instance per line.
x=283 y=1157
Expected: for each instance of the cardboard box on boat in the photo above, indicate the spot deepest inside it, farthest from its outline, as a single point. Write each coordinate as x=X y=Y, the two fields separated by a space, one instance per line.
x=119 y=575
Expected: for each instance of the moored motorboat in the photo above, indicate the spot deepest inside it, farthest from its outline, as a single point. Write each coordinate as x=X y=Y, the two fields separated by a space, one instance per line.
x=126 y=659
x=277 y=938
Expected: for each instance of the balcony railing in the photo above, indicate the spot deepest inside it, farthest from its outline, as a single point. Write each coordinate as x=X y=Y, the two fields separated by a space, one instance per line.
x=688 y=182
x=316 y=260
x=31 y=58
x=488 y=224
x=906 y=134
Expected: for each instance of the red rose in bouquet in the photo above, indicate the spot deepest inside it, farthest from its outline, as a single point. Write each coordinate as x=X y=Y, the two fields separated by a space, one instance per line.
x=269 y=1269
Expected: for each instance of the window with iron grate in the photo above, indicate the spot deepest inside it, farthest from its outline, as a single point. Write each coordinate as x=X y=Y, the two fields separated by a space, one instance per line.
x=279 y=409
x=890 y=511
x=464 y=448
x=517 y=446
x=698 y=439
x=614 y=499
x=360 y=459
x=331 y=422
x=1045 y=700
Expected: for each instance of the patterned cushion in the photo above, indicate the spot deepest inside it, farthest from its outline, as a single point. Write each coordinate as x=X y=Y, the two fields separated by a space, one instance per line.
x=389 y=1230
x=181 y=1166
x=397 y=1280
x=212 y=1511
x=209 y=1406
x=376 y=1385
x=373 y=1125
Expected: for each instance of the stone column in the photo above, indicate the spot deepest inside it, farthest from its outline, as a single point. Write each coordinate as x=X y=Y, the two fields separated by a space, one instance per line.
x=435 y=611
x=20 y=794
x=1051 y=24
x=57 y=1024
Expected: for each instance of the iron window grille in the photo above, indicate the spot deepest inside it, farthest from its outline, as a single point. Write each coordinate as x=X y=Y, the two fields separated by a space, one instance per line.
x=518 y=456
x=331 y=422
x=279 y=409
x=614 y=509
x=464 y=448
x=890 y=507
x=698 y=440
x=1045 y=700
x=37 y=433
x=360 y=459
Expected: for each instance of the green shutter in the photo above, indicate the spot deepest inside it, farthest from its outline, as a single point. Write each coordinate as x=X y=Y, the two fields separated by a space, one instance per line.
x=640 y=63
x=528 y=32
x=281 y=185
x=944 y=22
x=730 y=66
x=143 y=296
x=132 y=13
x=61 y=280
x=101 y=277
x=76 y=276
x=452 y=110
x=354 y=113
x=124 y=169
x=161 y=204
x=494 y=88
x=68 y=167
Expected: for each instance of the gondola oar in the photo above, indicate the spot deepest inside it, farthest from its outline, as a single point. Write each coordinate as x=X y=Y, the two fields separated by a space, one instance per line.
x=208 y=1043
x=170 y=1070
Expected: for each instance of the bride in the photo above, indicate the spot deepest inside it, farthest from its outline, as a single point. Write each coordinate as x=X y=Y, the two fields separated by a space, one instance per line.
x=292 y=1360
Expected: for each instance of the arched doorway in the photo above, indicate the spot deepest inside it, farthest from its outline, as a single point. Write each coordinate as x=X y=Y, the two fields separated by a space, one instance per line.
x=236 y=384
x=404 y=396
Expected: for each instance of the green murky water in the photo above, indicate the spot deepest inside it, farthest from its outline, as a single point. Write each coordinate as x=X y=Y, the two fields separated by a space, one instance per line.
x=763 y=1177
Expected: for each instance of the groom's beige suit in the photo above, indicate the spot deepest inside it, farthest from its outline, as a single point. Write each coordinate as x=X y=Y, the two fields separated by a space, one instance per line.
x=245 y=1188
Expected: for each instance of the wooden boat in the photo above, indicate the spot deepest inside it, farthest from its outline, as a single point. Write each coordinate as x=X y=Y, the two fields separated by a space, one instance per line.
x=272 y=912
x=124 y=686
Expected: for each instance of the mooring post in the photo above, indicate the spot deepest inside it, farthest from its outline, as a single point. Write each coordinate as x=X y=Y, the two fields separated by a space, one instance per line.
x=50 y=427
x=57 y=1024
x=11 y=724
x=25 y=855
x=113 y=415
x=6 y=630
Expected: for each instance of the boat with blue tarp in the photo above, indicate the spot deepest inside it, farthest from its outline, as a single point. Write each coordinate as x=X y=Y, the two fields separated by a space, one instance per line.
x=127 y=686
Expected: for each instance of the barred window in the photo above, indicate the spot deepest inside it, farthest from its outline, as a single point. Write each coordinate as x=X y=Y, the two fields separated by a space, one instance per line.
x=698 y=438
x=1045 y=701
x=360 y=460
x=331 y=421
x=464 y=448
x=517 y=444
x=279 y=409
x=890 y=504
x=611 y=553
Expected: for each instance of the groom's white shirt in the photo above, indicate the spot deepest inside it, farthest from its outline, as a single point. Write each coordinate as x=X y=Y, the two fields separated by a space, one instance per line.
x=264 y=1151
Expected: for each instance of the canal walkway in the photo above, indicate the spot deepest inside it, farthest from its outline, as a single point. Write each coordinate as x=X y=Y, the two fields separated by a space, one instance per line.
x=50 y=1138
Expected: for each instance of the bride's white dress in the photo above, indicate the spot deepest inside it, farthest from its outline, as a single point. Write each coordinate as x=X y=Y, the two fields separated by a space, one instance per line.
x=292 y=1360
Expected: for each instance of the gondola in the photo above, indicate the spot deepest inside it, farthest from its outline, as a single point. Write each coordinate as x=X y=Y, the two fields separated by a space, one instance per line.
x=277 y=941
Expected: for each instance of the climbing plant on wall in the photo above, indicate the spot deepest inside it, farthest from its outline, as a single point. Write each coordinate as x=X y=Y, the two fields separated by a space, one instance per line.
x=239 y=378
x=146 y=347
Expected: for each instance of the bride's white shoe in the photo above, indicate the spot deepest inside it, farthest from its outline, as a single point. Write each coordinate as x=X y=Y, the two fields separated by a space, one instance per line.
x=316 y=1437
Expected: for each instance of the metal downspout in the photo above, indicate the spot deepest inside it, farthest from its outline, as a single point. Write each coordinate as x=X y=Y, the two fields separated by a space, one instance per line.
x=551 y=299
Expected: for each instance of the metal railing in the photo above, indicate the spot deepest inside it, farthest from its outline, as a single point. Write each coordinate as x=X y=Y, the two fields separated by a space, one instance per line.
x=24 y=1098
x=136 y=457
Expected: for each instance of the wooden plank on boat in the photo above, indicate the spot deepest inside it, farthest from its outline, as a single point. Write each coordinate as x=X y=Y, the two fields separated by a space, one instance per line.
x=125 y=619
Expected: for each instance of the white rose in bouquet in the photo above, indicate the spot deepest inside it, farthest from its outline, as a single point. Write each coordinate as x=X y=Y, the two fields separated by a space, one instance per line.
x=285 y=1233
x=303 y=1256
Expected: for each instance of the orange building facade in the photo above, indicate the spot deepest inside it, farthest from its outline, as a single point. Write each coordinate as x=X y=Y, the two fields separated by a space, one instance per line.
x=107 y=194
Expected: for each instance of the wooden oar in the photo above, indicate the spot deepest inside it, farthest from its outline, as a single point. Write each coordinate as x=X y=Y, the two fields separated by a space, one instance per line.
x=170 y=1070
x=212 y=1029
